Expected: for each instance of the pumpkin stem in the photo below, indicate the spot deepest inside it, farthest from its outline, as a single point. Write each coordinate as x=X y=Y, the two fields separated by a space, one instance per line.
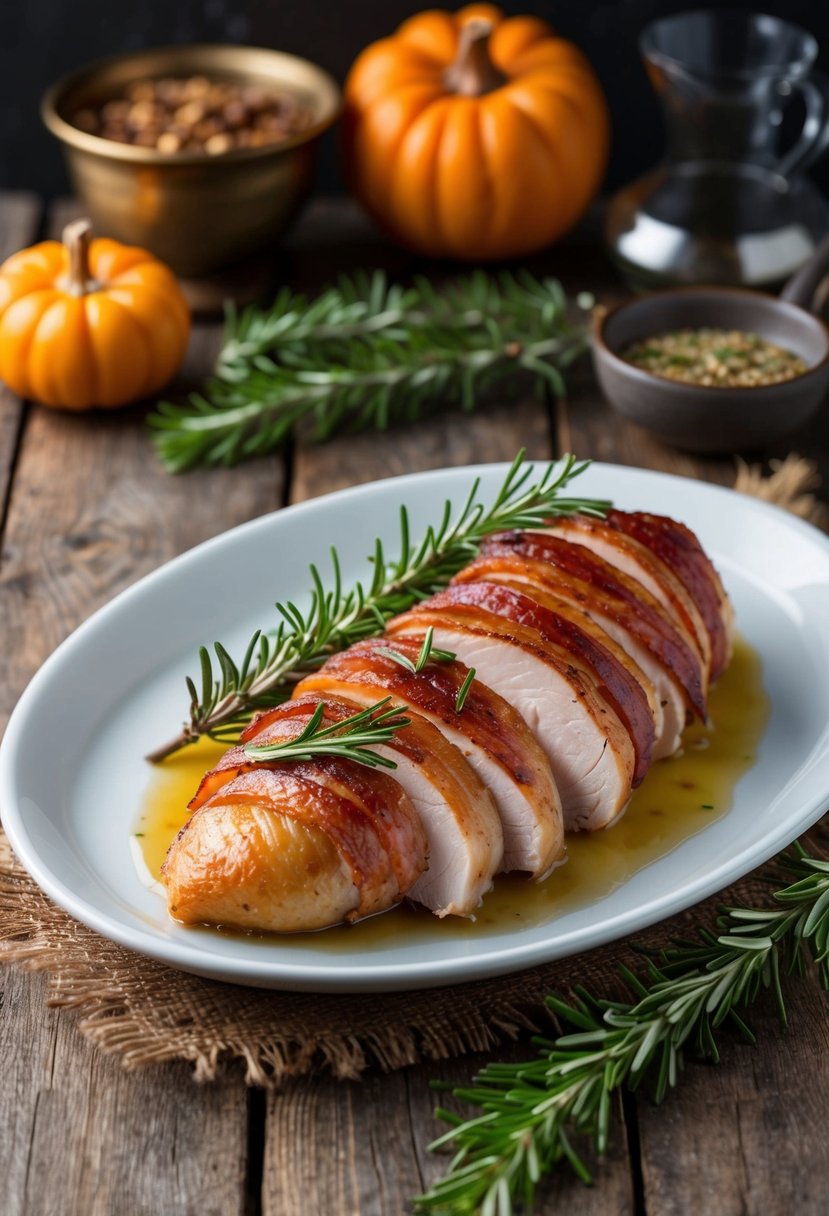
x=473 y=72
x=77 y=237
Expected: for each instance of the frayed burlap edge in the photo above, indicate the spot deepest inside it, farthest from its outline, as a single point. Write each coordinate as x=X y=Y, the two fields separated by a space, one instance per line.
x=145 y=1013
x=791 y=485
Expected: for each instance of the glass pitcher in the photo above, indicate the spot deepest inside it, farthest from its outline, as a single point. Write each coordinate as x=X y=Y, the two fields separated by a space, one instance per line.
x=728 y=205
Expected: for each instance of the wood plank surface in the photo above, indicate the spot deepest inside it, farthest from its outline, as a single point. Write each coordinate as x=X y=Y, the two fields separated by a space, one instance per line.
x=19 y=223
x=374 y=1134
x=748 y=1136
x=103 y=1141
x=90 y=512
x=448 y=440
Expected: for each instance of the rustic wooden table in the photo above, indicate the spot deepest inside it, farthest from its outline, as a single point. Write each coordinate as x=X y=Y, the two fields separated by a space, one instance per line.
x=86 y=510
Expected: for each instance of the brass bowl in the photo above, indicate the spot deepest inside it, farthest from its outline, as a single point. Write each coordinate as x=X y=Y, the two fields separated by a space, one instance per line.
x=196 y=212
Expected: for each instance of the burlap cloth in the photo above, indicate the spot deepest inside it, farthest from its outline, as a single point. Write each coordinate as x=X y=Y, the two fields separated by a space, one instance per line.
x=144 y=1012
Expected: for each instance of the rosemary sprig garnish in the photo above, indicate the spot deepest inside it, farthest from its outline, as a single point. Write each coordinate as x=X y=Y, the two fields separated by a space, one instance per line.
x=272 y=664
x=349 y=739
x=428 y=653
x=532 y=1112
x=365 y=354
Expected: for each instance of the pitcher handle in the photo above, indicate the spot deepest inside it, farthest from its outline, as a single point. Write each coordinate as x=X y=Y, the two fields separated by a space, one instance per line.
x=809 y=287
x=814 y=136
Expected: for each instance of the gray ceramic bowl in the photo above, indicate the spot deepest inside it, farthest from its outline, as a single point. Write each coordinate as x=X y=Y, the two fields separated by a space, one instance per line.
x=698 y=418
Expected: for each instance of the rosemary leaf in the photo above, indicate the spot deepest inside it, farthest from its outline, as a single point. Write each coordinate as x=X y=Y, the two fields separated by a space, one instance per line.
x=463 y=691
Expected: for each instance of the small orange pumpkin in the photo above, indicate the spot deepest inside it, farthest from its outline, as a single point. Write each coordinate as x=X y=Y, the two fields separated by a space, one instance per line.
x=89 y=323
x=475 y=136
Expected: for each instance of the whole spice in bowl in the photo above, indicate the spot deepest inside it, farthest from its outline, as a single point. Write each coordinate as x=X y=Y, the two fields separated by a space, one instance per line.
x=202 y=154
x=175 y=114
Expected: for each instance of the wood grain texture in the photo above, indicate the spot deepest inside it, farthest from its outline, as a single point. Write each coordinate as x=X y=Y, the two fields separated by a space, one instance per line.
x=449 y=440
x=19 y=222
x=104 y=1142
x=373 y=1135
x=748 y=1138
x=91 y=511
x=26 y=1050
x=81 y=1136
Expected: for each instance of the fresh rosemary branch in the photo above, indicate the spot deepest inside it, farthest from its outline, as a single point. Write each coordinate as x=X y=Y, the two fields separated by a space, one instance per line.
x=428 y=653
x=355 y=308
x=336 y=618
x=350 y=739
x=532 y=1112
x=363 y=355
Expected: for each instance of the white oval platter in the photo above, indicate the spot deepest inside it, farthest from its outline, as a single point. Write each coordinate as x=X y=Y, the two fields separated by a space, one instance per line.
x=72 y=772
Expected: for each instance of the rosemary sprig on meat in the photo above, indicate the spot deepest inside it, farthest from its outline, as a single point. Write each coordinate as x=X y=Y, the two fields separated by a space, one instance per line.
x=429 y=653
x=534 y=1114
x=350 y=739
x=363 y=355
x=229 y=692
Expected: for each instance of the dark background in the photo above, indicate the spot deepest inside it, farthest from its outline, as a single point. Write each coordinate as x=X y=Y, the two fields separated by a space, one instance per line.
x=43 y=39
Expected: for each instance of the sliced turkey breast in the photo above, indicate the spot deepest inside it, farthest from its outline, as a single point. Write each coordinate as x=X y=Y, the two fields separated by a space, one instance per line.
x=519 y=575
x=678 y=548
x=646 y=639
x=580 y=649
x=588 y=749
x=615 y=678
x=604 y=590
x=641 y=563
x=463 y=830
x=488 y=732
x=668 y=719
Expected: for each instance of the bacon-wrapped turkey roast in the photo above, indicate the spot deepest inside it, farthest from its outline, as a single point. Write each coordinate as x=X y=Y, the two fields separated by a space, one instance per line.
x=593 y=642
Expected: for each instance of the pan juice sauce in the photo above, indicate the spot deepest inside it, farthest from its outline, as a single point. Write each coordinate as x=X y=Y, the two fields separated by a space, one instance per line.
x=679 y=797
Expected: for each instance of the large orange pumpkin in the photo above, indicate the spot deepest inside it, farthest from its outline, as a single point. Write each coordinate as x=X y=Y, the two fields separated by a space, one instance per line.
x=475 y=136
x=87 y=323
